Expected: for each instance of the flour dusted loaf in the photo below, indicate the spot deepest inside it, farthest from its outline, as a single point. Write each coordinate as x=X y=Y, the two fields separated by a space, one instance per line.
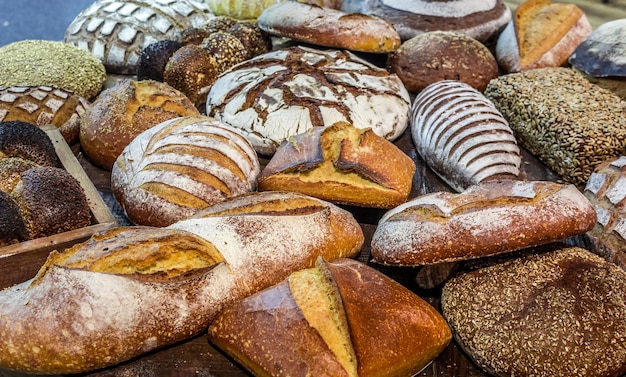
x=180 y=166
x=559 y=314
x=116 y=31
x=541 y=34
x=42 y=105
x=462 y=136
x=130 y=290
x=606 y=190
x=341 y=318
x=329 y=27
x=342 y=164
x=125 y=110
x=249 y=10
x=568 y=123
x=489 y=218
x=288 y=91
x=483 y=20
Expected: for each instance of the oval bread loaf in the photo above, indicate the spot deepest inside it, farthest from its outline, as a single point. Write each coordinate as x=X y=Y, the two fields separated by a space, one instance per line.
x=180 y=166
x=462 y=136
x=486 y=219
x=130 y=290
x=288 y=91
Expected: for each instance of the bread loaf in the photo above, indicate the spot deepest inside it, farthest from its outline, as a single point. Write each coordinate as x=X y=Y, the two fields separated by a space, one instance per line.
x=462 y=136
x=125 y=110
x=555 y=113
x=115 y=32
x=341 y=318
x=41 y=105
x=442 y=55
x=27 y=141
x=541 y=34
x=486 y=219
x=174 y=169
x=557 y=314
x=264 y=95
x=341 y=164
x=12 y=229
x=130 y=290
x=329 y=27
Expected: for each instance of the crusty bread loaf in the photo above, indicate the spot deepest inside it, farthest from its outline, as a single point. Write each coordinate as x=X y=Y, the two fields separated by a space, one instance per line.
x=558 y=314
x=329 y=27
x=486 y=219
x=541 y=34
x=341 y=318
x=27 y=141
x=180 y=166
x=443 y=55
x=41 y=105
x=462 y=136
x=125 y=110
x=130 y=290
x=285 y=92
x=341 y=164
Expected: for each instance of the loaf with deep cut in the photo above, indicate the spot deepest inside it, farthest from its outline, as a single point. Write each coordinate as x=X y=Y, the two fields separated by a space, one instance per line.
x=490 y=218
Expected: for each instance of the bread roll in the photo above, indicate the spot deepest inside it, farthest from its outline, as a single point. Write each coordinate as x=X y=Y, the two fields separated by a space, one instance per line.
x=557 y=314
x=115 y=32
x=181 y=166
x=130 y=290
x=340 y=318
x=264 y=95
x=443 y=55
x=329 y=27
x=566 y=122
x=124 y=111
x=541 y=34
x=341 y=164
x=462 y=136
x=42 y=105
x=154 y=58
x=486 y=219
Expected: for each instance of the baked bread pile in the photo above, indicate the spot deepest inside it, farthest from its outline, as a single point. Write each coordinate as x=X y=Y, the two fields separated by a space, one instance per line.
x=39 y=198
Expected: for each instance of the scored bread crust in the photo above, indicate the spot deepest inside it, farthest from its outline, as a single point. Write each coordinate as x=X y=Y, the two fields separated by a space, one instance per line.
x=71 y=319
x=329 y=27
x=486 y=219
x=341 y=164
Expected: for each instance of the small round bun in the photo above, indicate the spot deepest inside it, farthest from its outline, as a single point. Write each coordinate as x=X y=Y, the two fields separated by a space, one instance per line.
x=25 y=140
x=124 y=111
x=443 y=55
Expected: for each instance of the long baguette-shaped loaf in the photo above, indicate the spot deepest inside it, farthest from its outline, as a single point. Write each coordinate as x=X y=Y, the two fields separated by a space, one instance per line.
x=133 y=289
x=490 y=218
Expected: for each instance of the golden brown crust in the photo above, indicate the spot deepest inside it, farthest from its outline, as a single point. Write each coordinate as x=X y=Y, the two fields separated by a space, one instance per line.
x=486 y=219
x=341 y=164
x=329 y=27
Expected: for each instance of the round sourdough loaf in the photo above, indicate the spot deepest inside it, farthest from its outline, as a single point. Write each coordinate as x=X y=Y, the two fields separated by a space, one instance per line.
x=125 y=110
x=329 y=27
x=115 y=32
x=480 y=19
x=443 y=55
x=180 y=166
x=288 y=91
x=41 y=105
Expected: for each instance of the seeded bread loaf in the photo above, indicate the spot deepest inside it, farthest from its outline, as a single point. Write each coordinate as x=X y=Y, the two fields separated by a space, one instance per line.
x=180 y=166
x=490 y=218
x=130 y=290
x=329 y=27
x=340 y=318
x=559 y=314
x=341 y=164
x=462 y=136
x=561 y=118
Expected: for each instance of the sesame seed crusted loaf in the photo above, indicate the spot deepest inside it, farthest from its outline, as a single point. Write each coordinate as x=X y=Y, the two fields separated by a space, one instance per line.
x=557 y=314
x=489 y=218
x=130 y=290
x=561 y=118
x=288 y=91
